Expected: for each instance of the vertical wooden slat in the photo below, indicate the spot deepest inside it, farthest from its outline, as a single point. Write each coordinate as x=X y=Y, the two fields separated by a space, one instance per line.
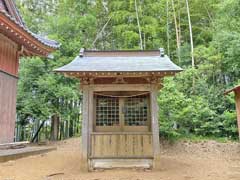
x=121 y=145
x=118 y=146
x=8 y=56
x=8 y=88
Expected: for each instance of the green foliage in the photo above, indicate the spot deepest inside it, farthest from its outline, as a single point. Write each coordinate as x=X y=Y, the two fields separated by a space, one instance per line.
x=185 y=111
x=41 y=92
x=191 y=104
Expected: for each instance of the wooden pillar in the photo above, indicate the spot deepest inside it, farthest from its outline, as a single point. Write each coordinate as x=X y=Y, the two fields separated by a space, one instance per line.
x=84 y=163
x=90 y=123
x=237 y=98
x=155 y=127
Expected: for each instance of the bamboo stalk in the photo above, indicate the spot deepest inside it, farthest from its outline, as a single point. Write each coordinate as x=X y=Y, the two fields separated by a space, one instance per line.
x=176 y=28
x=168 y=44
x=139 y=27
x=190 y=33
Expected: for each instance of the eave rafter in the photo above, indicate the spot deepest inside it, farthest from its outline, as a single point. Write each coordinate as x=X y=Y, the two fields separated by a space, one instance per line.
x=116 y=74
x=20 y=36
x=120 y=77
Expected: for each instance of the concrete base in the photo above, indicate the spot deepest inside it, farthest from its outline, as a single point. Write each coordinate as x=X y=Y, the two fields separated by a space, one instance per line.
x=13 y=154
x=121 y=163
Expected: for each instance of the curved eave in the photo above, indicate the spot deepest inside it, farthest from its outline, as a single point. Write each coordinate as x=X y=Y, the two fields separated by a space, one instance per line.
x=119 y=65
x=18 y=33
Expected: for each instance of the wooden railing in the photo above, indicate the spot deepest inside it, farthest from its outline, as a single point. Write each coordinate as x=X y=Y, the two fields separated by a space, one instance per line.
x=121 y=145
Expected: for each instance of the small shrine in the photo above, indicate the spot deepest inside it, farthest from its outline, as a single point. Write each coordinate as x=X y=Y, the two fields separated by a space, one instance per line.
x=120 y=110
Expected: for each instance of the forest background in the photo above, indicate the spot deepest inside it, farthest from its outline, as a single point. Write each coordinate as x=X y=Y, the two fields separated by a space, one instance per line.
x=190 y=104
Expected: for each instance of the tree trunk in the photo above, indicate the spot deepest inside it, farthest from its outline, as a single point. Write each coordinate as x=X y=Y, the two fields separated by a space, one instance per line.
x=67 y=130
x=102 y=30
x=176 y=29
x=190 y=33
x=168 y=44
x=54 y=127
x=62 y=130
x=179 y=31
x=71 y=127
x=139 y=27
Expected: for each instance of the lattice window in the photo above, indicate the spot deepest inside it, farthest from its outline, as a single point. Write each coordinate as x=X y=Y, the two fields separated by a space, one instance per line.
x=107 y=111
x=136 y=111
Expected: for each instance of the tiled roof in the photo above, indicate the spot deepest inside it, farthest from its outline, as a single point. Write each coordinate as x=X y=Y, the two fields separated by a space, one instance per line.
x=119 y=63
x=16 y=18
x=45 y=41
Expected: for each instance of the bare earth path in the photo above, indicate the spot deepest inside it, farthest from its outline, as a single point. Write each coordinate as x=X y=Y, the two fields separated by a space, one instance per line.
x=181 y=161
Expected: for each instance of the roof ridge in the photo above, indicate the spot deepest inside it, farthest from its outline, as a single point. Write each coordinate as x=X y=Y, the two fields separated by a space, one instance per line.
x=123 y=53
x=13 y=11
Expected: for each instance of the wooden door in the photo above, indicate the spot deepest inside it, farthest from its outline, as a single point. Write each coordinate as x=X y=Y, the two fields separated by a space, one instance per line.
x=122 y=114
x=121 y=127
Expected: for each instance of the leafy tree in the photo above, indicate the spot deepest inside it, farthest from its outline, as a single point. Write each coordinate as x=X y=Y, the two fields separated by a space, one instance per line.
x=104 y=25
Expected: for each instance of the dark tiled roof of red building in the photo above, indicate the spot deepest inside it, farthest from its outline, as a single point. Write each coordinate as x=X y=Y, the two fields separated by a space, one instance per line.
x=10 y=12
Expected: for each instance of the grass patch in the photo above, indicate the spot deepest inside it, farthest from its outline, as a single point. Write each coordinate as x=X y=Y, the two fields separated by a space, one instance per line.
x=196 y=139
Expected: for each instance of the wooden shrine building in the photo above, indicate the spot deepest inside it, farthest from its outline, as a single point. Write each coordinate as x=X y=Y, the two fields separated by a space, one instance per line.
x=120 y=109
x=15 y=41
x=236 y=91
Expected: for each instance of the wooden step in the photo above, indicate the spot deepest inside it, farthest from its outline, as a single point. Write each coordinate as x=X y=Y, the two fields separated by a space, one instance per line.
x=121 y=163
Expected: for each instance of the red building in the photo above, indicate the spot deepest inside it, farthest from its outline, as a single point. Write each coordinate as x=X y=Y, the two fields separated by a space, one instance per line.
x=15 y=41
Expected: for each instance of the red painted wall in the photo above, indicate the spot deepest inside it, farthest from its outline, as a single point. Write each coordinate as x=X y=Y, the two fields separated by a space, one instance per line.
x=8 y=88
x=8 y=91
x=8 y=56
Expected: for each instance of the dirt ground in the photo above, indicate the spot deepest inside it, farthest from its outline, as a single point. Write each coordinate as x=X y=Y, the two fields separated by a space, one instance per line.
x=180 y=161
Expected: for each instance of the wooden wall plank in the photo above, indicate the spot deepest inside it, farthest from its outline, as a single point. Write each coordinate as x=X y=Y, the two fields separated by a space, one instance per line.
x=122 y=87
x=8 y=90
x=121 y=145
x=8 y=56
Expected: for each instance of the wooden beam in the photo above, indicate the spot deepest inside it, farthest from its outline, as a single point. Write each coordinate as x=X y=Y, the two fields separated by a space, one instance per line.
x=121 y=87
x=121 y=133
x=9 y=145
x=95 y=74
x=121 y=157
